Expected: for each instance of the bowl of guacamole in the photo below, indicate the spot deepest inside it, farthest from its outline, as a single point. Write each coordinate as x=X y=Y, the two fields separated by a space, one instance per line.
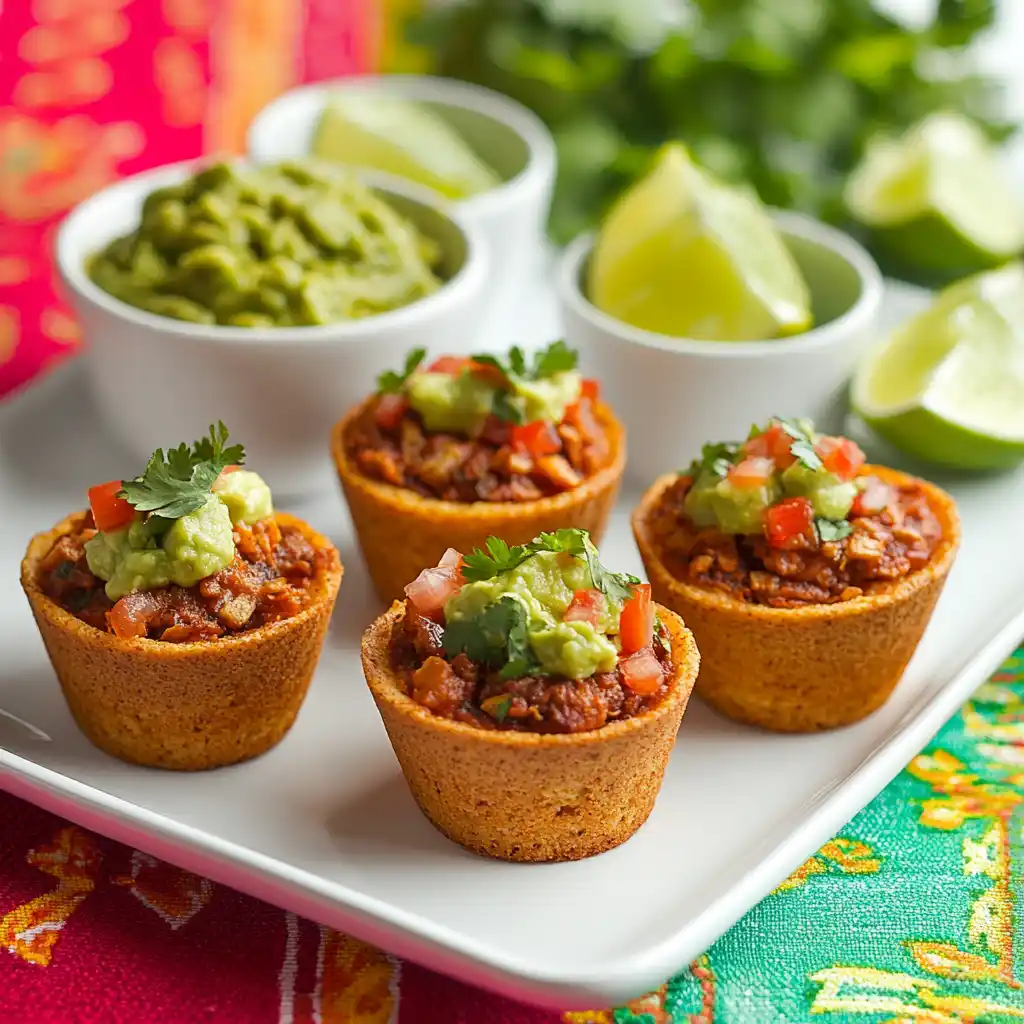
x=271 y=294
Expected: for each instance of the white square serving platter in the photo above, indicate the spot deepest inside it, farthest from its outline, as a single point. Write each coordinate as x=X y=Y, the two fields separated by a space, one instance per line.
x=324 y=824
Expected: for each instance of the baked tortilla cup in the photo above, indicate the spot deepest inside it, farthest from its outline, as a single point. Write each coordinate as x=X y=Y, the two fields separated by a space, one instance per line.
x=809 y=668
x=523 y=796
x=184 y=706
x=401 y=532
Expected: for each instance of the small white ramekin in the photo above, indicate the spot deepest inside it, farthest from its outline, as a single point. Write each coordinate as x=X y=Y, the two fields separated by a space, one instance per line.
x=513 y=140
x=159 y=381
x=676 y=394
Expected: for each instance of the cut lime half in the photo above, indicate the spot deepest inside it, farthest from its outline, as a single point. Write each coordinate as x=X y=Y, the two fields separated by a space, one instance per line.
x=688 y=256
x=948 y=386
x=401 y=137
x=937 y=198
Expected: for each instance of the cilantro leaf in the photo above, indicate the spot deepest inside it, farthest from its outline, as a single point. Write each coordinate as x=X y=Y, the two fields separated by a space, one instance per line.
x=832 y=529
x=498 y=637
x=805 y=455
x=802 y=448
x=517 y=361
x=505 y=407
x=556 y=358
x=391 y=382
x=715 y=460
x=174 y=485
x=497 y=557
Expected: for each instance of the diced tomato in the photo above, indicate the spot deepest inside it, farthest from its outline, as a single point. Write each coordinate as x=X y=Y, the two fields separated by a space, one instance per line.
x=496 y=431
x=429 y=591
x=751 y=473
x=449 y=364
x=642 y=672
x=536 y=438
x=581 y=416
x=788 y=520
x=108 y=510
x=590 y=389
x=452 y=559
x=874 y=497
x=841 y=456
x=587 y=606
x=390 y=410
x=773 y=444
x=636 y=623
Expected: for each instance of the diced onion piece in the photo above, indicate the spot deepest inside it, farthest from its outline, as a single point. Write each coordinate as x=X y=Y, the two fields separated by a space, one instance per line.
x=642 y=672
x=432 y=588
x=874 y=497
x=587 y=606
x=751 y=473
x=636 y=623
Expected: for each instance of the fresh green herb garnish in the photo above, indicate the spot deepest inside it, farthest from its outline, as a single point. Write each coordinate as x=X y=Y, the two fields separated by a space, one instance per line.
x=556 y=358
x=715 y=459
x=660 y=636
x=802 y=448
x=390 y=382
x=505 y=408
x=832 y=529
x=175 y=485
x=498 y=636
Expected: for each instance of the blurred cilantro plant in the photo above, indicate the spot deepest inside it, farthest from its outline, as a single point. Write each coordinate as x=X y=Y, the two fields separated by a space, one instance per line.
x=781 y=93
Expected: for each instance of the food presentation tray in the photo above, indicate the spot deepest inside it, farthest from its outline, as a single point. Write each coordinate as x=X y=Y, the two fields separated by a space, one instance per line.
x=325 y=826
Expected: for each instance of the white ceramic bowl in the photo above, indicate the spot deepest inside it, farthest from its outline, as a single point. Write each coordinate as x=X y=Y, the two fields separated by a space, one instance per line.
x=675 y=394
x=513 y=140
x=159 y=381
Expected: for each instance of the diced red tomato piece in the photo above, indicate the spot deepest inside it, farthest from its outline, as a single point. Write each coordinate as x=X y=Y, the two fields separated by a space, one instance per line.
x=449 y=364
x=108 y=510
x=875 y=497
x=788 y=520
x=773 y=444
x=751 y=473
x=432 y=588
x=642 y=672
x=587 y=606
x=841 y=456
x=536 y=438
x=590 y=389
x=390 y=410
x=636 y=623
x=496 y=431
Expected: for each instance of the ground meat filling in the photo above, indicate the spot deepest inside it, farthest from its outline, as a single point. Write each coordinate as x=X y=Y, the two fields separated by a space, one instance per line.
x=456 y=689
x=487 y=468
x=882 y=547
x=269 y=580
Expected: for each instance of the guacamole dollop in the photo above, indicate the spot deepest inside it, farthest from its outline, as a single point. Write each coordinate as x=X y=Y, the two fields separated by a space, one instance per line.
x=276 y=246
x=155 y=552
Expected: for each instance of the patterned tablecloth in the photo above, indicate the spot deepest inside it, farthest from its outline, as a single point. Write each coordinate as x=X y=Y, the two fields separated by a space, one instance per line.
x=909 y=915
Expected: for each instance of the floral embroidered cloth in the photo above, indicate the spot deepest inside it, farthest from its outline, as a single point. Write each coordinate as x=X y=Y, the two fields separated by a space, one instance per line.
x=908 y=916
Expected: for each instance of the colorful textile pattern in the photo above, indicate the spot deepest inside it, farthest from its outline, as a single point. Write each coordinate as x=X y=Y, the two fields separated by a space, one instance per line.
x=910 y=916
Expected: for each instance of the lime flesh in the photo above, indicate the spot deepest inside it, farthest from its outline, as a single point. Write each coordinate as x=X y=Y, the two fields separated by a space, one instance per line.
x=937 y=198
x=684 y=255
x=948 y=386
x=402 y=138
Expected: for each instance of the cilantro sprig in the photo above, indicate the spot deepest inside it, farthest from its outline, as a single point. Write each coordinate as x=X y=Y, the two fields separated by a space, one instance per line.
x=556 y=358
x=832 y=529
x=391 y=382
x=716 y=459
x=175 y=484
x=499 y=636
x=802 y=448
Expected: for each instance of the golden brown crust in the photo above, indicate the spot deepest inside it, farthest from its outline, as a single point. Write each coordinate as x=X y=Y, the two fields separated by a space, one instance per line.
x=184 y=706
x=402 y=533
x=523 y=796
x=809 y=668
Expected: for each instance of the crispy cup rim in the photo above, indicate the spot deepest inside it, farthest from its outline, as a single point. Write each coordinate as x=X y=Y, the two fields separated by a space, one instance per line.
x=386 y=686
x=880 y=596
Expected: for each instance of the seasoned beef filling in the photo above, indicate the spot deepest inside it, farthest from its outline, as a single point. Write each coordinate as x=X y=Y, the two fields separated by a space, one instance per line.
x=461 y=689
x=884 y=546
x=490 y=467
x=268 y=580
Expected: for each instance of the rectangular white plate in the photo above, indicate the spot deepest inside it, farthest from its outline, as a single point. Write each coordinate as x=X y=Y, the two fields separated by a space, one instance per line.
x=324 y=825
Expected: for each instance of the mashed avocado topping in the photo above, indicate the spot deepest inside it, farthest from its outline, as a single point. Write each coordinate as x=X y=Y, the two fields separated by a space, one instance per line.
x=457 y=395
x=512 y=610
x=785 y=479
x=277 y=246
x=174 y=524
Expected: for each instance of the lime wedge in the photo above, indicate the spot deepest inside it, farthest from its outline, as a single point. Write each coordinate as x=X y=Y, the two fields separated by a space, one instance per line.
x=682 y=254
x=948 y=386
x=937 y=198
x=403 y=138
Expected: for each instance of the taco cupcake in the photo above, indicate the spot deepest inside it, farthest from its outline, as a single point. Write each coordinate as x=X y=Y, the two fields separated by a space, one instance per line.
x=449 y=454
x=182 y=614
x=807 y=577
x=531 y=696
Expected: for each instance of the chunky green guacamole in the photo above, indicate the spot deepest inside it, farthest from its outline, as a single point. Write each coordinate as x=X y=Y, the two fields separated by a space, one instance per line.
x=277 y=246
x=154 y=552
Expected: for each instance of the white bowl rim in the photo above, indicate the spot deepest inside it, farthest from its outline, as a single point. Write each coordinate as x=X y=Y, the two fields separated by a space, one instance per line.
x=792 y=223
x=451 y=292
x=438 y=89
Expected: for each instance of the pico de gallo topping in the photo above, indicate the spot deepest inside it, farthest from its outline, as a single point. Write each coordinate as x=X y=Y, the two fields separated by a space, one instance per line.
x=483 y=427
x=189 y=550
x=538 y=637
x=790 y=517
